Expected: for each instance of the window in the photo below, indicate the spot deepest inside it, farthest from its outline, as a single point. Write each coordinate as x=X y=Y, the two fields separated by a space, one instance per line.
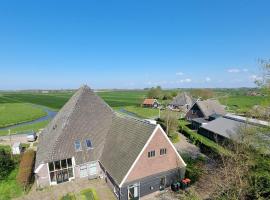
x=151 y=154
x=78 y=145
x=88 y=144
x=163 y=151
x=61 y=171
x=69 y=161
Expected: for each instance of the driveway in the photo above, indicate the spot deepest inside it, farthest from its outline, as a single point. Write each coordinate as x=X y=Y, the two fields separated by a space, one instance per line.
x=184 y=146
x=57 y=191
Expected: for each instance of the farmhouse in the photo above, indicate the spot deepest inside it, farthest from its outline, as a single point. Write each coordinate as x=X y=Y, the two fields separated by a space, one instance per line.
x=205 y=109
x=87 y=139
x=153 y=103
x=181 y=102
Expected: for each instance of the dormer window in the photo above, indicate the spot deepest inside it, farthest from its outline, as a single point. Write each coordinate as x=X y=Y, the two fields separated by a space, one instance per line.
x=78 y=145
x=88 y=144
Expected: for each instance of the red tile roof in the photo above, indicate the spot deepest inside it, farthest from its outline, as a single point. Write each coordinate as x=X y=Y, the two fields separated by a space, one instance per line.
x=149 y=101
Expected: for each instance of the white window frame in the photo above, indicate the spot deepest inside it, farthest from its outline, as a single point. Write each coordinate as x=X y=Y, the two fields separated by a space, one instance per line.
x=135 y=185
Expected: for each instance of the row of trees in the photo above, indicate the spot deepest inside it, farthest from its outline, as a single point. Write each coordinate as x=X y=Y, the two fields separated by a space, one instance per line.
x=158 y=93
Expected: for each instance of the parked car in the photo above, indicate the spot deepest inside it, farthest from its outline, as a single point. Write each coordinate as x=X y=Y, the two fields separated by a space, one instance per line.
x=31 y=137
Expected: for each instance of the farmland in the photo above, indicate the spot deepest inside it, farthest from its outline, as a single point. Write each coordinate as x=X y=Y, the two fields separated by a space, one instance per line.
x=243 y=103
x=14 y=113
x=18 y=105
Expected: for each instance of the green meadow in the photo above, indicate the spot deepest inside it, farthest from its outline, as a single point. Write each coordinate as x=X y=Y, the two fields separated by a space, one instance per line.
x=243 y=103
x=14 y=113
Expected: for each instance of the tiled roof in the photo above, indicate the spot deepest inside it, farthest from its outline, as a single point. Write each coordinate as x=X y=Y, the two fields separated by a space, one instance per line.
x=84 y=115
x=124 y=142
x=149 y=101
x=117 y=139
x=210 y=106
x=182 y=99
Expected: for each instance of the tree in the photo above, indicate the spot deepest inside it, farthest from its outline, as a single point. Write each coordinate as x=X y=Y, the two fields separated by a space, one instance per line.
x=155 y=93
x=171 y=121
x=202 y=93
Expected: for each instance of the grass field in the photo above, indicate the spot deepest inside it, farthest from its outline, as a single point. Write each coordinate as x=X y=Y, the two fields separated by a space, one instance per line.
x=243 y=103
x=14 y=113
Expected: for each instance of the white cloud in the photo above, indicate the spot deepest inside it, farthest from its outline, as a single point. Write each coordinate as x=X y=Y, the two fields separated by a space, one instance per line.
x=237 y=70
x=187 y=80
x=207 y=79
x=179 y=73
x=233 y=70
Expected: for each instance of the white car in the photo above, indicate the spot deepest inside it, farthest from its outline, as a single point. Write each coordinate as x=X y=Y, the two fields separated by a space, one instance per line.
x=31 y=137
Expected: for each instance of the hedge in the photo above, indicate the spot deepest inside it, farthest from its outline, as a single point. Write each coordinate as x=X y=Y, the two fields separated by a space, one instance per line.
x=25 y=173
x=205 y=144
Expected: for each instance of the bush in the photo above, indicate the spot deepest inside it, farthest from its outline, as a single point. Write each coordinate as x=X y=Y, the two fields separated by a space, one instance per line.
x=25 y=173
x=174 y=137
x=6 y=164
x=194 y=167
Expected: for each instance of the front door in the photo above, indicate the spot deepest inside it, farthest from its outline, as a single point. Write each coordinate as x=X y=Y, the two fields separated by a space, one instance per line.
x=133 y=192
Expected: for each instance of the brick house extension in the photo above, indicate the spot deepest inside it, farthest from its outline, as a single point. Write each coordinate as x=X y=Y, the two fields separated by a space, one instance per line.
x=87 y=139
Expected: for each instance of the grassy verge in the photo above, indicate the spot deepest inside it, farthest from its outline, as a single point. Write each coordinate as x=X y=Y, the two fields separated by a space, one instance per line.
x=15 y=113
x=201 y=140
x=28 y=127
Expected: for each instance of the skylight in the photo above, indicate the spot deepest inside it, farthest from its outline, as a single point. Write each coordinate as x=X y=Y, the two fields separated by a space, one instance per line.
x=88 y=144
x=78 y=145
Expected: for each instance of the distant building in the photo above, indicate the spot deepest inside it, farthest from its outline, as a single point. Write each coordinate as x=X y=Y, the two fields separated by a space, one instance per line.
x=182 y=102
x=152 y=103
x=204 y=109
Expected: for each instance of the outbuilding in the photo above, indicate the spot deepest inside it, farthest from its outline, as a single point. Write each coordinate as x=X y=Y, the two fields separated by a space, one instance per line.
x=16 y=148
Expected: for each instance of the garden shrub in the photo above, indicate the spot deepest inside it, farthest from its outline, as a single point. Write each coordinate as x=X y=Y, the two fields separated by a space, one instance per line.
x=25 y=173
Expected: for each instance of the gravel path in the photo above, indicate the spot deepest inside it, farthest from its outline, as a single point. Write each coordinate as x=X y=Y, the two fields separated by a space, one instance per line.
x=185 y=147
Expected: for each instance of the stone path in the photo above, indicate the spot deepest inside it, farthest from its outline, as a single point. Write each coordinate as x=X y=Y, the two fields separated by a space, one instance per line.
x=57 y=191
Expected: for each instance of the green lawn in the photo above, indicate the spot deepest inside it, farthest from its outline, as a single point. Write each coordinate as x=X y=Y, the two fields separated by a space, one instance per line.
x=86 y=194
x=242 y=103
x=14 y=113
x=9 y=188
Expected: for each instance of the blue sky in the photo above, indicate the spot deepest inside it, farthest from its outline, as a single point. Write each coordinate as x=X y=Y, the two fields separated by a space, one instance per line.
x=132 y=43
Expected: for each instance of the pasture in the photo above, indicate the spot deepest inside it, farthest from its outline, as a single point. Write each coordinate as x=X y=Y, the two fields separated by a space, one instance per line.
x=243 y=103
x=14 y=113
